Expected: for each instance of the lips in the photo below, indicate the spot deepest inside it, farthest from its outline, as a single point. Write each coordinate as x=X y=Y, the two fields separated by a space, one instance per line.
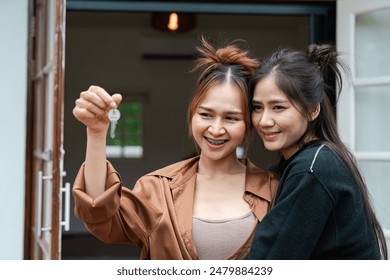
x=269 y=136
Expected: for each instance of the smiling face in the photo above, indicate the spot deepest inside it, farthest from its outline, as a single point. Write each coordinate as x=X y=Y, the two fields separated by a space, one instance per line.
x=276 y=119
x=217 y=124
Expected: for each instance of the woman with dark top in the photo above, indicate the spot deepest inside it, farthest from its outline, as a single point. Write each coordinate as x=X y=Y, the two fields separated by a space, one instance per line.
x=322 y=208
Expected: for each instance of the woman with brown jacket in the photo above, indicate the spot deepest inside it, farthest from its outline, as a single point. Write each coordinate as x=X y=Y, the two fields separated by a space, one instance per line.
x=205 y=207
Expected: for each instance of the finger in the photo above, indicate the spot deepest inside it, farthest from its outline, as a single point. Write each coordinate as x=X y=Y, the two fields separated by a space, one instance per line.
x=82 y=114
x=103 y=95
x=117 y=97
x=92 y=97
x=90 y=107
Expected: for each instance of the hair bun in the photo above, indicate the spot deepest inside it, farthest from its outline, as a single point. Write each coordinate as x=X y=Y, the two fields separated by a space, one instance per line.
x=322 y=55
x=211 y=58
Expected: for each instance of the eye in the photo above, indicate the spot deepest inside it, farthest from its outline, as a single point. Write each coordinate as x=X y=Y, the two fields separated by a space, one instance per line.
x=279 y=108
x=232 y=118
x=204 y=114
x=256 y=107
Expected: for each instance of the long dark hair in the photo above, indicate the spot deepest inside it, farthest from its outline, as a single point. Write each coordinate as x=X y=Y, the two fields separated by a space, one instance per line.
x=308 y=79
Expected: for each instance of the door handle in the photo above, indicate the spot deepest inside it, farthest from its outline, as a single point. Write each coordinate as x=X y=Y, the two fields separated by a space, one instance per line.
x=39 y=227
x=66 y=222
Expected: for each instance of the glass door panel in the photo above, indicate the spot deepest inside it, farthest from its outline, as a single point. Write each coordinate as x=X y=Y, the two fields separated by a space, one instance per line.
x=372 y=119
x=376 y=174
x=372 y=44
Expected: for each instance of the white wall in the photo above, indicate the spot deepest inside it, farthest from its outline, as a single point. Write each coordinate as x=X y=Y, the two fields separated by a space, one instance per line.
x=13 y=81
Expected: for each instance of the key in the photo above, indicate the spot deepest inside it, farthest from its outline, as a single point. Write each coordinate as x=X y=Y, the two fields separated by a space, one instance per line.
x=113 y=115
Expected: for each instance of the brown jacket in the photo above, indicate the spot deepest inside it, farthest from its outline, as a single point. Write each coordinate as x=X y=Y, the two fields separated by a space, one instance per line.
x=157 y=214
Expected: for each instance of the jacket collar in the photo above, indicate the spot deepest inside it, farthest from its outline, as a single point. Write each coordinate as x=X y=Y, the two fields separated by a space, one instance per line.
x=179 y=173
x=256 y=179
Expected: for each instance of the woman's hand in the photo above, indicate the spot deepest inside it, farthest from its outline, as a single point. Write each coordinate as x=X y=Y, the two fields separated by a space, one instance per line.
x=92 y=106
x=91 y=109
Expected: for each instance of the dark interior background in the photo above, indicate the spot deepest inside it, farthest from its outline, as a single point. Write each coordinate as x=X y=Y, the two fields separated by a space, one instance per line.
x=107 y=47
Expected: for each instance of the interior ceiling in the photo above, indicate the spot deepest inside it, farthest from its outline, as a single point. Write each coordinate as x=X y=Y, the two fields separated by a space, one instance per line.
x=221 y=7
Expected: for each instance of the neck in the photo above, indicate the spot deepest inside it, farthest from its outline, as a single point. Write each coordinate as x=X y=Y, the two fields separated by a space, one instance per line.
x=298 y=147
x=230 y=165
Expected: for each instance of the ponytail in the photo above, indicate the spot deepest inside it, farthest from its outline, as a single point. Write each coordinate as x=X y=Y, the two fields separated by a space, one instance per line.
x=328 y=62
x=326 y=58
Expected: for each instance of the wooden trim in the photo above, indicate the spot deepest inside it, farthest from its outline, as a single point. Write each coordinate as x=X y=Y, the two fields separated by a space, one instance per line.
x=42 y=15
x=29 y=133
x=58 y=127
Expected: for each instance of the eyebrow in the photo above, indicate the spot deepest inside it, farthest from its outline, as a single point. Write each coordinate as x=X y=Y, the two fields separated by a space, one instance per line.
x=276 y=101
x=229 y=112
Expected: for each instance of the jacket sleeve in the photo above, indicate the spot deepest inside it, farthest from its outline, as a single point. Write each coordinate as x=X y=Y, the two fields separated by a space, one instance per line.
x=119 y=215
x=293 y=226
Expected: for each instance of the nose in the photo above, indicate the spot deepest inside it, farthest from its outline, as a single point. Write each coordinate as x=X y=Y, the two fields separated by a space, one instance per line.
x=216 y=128
x=265 y=119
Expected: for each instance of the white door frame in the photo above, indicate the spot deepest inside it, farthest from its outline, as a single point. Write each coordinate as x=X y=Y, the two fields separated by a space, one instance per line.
x=347 y=10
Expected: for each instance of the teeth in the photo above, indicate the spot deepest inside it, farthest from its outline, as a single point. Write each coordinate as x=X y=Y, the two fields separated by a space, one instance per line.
x=220 y=142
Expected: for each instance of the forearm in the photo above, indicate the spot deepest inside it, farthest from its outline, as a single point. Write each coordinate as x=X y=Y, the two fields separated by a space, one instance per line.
x=95 y=163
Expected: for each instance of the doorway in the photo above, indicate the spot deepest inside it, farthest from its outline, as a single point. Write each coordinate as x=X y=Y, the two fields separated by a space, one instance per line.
x=106 y=47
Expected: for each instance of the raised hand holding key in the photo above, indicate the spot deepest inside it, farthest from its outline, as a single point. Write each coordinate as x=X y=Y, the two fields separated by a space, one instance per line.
x=113 y=115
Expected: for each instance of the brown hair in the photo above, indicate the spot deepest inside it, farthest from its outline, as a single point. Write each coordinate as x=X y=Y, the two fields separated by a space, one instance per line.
x=226 y=64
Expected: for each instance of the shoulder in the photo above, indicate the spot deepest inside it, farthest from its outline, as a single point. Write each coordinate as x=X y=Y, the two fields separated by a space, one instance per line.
x=318 y=164
x=180 y=167
x=320 y=159
x=168 y=177
x=260 y=182
x=251 y=168
x=316 y=158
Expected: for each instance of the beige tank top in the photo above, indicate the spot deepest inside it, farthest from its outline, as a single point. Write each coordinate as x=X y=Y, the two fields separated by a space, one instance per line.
x=219 y=239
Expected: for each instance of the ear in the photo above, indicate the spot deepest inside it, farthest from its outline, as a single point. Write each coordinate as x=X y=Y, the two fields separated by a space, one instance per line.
x=315 y=112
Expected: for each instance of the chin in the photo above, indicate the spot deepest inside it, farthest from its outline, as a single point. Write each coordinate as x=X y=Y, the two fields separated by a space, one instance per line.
x=272 y=147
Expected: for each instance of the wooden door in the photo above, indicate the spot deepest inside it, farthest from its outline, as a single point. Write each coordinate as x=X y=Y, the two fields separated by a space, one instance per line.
x=44 y=187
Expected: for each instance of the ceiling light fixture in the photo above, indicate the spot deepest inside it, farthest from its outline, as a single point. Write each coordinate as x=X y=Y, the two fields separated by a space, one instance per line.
x=173 y=22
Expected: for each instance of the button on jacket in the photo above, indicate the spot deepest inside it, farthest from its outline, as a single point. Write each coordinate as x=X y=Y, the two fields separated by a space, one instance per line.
x=157 y=214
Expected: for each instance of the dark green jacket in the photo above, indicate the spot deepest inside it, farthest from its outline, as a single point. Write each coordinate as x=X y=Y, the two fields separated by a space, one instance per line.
x=318 y=214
